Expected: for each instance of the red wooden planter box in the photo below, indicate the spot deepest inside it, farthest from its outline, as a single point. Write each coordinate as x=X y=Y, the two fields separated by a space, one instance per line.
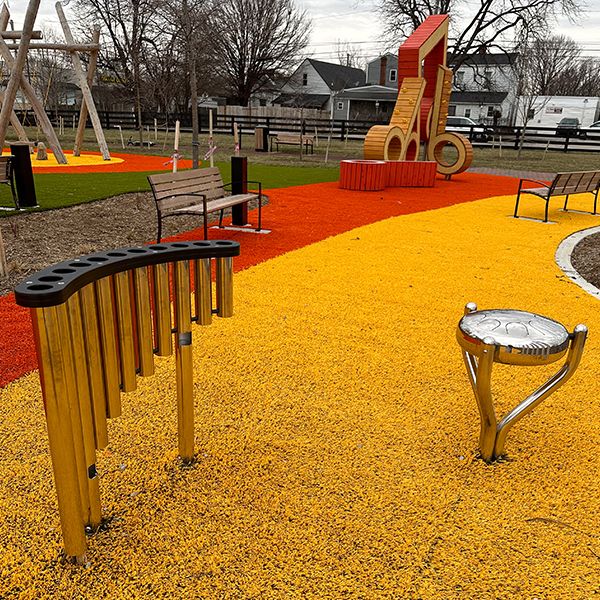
x=409 y=173
x=363 y=175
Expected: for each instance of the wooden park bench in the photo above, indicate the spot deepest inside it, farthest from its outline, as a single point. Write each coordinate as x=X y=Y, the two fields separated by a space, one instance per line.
x=196 y=192
x=563 y=184
x=294 y=139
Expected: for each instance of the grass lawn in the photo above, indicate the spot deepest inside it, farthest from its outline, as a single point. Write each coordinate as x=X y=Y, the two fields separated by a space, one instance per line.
x=536 y=160
x=64 y=189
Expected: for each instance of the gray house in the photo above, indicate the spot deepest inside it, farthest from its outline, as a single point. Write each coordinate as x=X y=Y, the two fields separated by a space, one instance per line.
x=314 y=83
x=383 y=71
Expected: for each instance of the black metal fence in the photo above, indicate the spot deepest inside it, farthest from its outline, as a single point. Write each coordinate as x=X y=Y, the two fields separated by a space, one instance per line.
x=582 y=140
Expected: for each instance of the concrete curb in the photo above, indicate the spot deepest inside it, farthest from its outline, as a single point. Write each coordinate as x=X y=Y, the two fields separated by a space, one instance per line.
x=563 y=259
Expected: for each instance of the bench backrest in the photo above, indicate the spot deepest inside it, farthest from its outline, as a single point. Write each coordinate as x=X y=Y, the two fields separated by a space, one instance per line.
x=575 y=183
x=170 y=189
x=294 y=137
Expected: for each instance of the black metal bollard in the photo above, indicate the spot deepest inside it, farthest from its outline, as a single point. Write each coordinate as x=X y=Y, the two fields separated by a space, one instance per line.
x=239 y=185
x=23 y=174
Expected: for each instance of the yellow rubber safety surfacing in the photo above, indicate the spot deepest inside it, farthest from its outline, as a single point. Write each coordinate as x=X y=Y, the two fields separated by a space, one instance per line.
x=85 y=160
x=337 y=436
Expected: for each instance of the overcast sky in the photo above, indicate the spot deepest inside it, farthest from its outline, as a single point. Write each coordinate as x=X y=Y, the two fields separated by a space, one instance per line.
x=353 y=22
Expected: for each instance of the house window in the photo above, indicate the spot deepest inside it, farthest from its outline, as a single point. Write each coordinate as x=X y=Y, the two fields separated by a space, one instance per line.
x=452 y=110
x=393 y=74
x=340 y=106
x=490 y=112
x=467 y=112
x=304 y=78
x=488 y=76
x=459 y=77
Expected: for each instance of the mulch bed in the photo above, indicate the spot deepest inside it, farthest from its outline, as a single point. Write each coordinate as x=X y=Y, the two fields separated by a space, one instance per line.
x=37 y=239
x=586 y=258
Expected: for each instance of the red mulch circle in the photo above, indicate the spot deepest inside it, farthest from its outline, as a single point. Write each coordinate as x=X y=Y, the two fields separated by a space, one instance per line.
x=298 y=216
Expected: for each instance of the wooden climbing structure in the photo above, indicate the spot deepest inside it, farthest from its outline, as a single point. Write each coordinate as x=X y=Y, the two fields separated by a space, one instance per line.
x=424 y=86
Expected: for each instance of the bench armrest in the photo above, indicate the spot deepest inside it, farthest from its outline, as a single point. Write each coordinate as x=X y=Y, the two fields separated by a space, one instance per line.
x=533 y=181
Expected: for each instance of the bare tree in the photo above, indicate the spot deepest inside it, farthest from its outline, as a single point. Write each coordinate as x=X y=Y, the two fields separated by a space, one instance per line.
x=529 y=100
x=481 y=28
x=580 y=78
x=188 y=22
x=549 y=58
x=50 y=72
x=128 y=26
x=254 y=40
x=349 y=55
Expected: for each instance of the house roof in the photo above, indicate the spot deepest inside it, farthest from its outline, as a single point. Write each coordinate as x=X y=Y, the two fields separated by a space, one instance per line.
x=370 y=92
x=504 y=58
x=338 y=77
x=478 y=97
x=302 y=100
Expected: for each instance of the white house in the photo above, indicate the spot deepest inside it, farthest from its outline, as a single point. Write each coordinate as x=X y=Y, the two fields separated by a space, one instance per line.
x=314 y=83
x=484 y=88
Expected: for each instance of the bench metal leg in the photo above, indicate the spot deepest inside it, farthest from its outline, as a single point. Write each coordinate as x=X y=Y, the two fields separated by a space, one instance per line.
x=515 y=215
x=221 y=212
x=596 y=200
x=259 y=212
x=159 y=232
x=566 y=201
x=205 y=222
x=546 y=211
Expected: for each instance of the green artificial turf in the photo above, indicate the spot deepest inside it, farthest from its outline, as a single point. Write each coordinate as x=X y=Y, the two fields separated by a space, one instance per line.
x=65 y=189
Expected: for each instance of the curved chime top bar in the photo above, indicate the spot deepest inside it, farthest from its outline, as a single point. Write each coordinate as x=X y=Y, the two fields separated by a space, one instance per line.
x=55 y=284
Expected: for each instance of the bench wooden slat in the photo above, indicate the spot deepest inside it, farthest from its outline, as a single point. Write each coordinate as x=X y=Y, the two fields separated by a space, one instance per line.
x=219 y=204
x=212 y=181
x=210 y=191
x=183 y=175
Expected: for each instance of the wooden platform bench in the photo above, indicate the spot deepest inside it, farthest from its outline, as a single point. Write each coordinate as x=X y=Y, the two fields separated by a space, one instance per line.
x=563 y=184
x=294 y=139
x=197 y=192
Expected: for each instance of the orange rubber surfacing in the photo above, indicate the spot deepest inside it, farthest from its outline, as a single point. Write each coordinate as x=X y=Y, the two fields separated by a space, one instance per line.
x=297 y=216
x=92 y=162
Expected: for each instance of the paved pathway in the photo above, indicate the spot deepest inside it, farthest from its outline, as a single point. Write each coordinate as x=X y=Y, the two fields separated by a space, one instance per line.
x=513 y=173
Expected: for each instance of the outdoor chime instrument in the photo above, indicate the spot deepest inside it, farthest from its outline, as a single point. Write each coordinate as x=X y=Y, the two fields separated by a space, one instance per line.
x=97 y=321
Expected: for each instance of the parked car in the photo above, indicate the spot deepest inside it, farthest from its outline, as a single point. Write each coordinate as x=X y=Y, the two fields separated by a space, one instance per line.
x=592 y=131
x=570 y=126
x=469 y=128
